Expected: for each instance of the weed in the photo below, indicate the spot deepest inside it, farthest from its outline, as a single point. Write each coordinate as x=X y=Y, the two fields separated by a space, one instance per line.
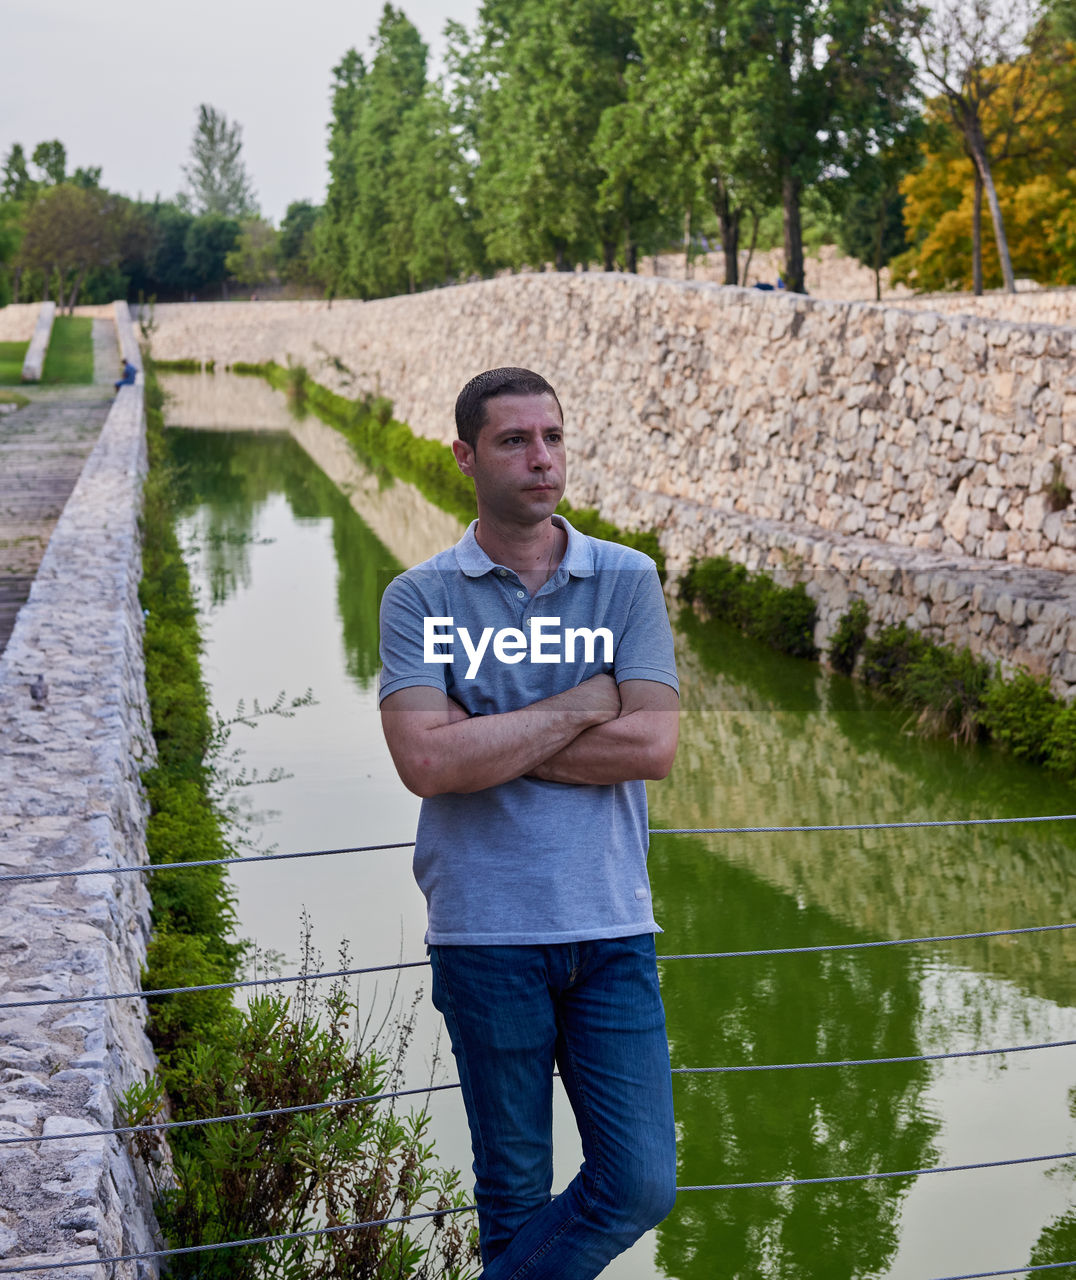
x=847 y=639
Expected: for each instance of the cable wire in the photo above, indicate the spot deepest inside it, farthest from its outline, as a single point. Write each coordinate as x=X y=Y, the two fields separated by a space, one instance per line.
x=25 y=877
x=418 y=964
x=436 y=1213
x=165 y=1125
x=214 y=986
x=870 y=1177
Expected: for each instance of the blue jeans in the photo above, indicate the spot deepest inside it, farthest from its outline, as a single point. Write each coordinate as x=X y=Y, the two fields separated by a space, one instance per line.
x=594 y=1010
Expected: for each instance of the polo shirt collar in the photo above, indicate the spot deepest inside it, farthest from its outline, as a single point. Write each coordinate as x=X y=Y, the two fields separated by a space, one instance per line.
x=578 y=559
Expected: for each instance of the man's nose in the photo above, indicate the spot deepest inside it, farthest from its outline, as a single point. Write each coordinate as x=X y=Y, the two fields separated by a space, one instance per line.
x=540 y=457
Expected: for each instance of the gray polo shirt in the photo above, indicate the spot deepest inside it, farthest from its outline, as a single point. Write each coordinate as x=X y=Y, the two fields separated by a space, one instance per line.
x=529 y=861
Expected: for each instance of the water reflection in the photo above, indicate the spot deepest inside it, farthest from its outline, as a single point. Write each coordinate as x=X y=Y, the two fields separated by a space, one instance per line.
x=227 y=478
x=764 y=741
x=759 y=1126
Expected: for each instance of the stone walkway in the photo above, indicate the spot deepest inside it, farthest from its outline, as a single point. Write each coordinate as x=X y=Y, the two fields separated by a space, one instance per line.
x=43 y=447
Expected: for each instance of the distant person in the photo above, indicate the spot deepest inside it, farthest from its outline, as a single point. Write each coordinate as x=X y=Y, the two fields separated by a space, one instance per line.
x=129 y=375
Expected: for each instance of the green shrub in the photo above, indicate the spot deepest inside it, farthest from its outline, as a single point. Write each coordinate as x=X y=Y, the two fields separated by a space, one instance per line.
x=781 y=617
x=178 y=366
x=363 y=1162
x=848 y=636
x=1061 y=741
x=943 y=686
x=1021 y=712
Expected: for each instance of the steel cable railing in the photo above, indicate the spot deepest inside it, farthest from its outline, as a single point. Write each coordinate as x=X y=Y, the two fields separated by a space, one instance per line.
x=239 y=984
x=25 y=877
x=164 y=1126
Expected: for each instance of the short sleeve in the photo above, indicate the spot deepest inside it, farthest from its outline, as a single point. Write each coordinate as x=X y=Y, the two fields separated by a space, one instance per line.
x=645 y=651
x=403 y=660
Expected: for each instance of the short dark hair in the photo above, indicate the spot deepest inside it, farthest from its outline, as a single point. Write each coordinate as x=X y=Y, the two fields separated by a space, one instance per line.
x=471 y=401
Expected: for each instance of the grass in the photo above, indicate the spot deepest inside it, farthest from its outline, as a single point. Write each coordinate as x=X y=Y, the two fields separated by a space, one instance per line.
x=13 y=397
x=70 y=354
x=12 y=354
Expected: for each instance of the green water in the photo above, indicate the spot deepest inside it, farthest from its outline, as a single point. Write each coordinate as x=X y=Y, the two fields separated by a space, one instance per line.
x=288 y=573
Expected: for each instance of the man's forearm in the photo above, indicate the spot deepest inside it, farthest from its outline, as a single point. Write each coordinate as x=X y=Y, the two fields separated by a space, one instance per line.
x=641 y=744
x=465 y=754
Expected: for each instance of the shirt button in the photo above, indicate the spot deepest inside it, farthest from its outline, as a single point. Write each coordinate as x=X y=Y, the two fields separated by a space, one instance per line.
x=502 y=573
x=521 y=595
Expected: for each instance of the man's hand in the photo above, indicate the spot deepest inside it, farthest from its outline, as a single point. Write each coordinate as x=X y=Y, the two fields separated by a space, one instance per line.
x=639 y=743
x=438 y=748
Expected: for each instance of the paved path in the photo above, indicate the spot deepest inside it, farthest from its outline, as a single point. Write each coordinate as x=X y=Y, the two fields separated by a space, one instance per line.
x=42 y=449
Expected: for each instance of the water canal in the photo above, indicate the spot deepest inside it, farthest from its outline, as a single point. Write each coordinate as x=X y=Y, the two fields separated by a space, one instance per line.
x=288 y=561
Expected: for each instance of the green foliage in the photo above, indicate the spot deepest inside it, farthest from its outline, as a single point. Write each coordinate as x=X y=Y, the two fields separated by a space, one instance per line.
x=217 y=178
x=944 y=686
x=847 y=639
x=781 y=617
x=362 y=1162
x=1021 y=712
x=69 y=358
x=182 y=366
x=193 y=910
x=253 y=260
x=1057 y=491
x=207 y=243
x=296 y=243
x=12 y=397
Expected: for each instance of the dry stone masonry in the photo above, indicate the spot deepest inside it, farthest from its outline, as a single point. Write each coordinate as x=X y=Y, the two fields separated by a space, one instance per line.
x=74 y=733
x=868 y=449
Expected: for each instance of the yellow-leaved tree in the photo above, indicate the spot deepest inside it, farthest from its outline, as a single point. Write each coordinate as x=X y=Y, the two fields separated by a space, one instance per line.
x=1029 y=118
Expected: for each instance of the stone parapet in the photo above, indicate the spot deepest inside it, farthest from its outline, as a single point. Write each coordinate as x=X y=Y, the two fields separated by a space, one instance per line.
x=17 y=321
x=1032 y=306
x=74 y=734
x=125 y=335
x=34 y=362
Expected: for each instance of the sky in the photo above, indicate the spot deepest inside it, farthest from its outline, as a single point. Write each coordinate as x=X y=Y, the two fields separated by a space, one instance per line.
x=120 y=83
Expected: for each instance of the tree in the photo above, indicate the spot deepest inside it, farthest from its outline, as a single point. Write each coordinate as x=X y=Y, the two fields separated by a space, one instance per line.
x=253 y=259
x=16 y=183
x=394 y=86
x=962 y=45
x=812 y=91
x=296 y=243
x=51 y=159
x=1036 y=186
x=69 y=232
x=547 y=71
x=331 y=235
x=207 y=243
x=216 y=176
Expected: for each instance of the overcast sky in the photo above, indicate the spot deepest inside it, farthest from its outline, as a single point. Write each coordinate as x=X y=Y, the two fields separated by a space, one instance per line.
x=119 y=83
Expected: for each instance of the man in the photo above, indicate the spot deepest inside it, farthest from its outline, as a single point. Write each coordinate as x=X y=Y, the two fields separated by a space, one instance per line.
x=527 y=688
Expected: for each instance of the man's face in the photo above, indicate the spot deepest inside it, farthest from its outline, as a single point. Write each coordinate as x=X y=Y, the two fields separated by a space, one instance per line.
x=518 y=463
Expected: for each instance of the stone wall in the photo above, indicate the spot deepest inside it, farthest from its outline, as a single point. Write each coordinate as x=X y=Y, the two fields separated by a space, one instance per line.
x=70 y=798
x=17 y=321
x=807 y=435
x=34 y=363
x=1032 y=306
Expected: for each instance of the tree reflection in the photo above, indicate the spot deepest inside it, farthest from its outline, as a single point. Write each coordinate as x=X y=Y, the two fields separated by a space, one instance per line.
x=759 y=1126
x=223 y=481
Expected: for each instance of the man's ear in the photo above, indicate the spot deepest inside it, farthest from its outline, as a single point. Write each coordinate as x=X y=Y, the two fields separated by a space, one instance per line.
x=464 y=455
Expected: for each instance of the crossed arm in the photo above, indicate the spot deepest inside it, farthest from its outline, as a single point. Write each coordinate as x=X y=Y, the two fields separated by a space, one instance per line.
x=596 y=733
